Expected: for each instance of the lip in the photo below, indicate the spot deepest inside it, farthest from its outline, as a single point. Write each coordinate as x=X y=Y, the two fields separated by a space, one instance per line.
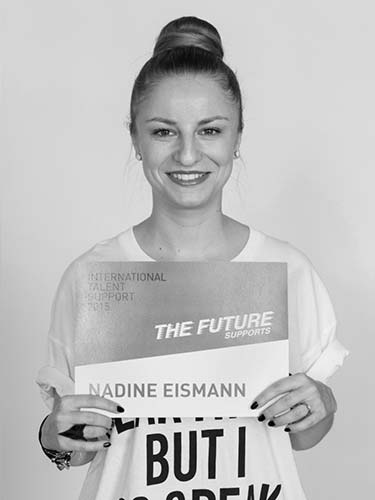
x=188 y=172
x=185 y=181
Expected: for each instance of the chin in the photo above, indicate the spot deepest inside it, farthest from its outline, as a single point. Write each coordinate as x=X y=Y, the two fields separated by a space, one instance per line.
x=191 y=204
x=185 y=200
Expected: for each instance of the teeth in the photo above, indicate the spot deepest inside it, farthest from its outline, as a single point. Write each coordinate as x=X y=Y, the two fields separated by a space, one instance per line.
x=186 y=177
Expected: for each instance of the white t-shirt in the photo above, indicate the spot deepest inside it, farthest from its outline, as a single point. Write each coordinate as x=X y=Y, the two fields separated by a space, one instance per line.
x=192 y=458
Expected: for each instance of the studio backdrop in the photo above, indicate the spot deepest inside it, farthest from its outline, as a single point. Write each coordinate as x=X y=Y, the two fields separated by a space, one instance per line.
x=70 y=179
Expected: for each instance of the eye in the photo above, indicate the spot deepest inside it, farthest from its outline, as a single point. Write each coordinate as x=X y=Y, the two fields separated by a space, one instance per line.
x=213 y=131
x=159 y=131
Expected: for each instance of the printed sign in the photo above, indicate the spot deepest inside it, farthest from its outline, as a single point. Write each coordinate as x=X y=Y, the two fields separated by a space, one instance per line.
x=181 y=338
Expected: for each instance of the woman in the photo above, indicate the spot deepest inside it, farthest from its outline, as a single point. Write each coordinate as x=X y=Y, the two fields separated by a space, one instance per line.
x=186 y=125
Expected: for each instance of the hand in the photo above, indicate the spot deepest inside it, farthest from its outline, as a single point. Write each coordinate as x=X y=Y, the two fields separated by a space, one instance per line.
x=69 y=429
x=303 y=403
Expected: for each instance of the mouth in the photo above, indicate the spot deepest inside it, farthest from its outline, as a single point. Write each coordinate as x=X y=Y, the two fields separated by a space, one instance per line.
x=188 y=178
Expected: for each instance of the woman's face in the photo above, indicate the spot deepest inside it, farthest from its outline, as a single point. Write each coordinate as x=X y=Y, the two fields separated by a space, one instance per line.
x=187 y=134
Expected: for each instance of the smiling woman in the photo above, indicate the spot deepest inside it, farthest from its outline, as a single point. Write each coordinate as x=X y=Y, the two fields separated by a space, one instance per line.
x=188 y=163
x=186 y=126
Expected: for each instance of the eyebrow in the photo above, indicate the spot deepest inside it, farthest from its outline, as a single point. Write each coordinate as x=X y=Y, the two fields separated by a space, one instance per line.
x=202 y=122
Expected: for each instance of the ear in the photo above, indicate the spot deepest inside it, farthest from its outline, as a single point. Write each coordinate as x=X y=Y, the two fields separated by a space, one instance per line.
x=238 y=141
x=135 y=143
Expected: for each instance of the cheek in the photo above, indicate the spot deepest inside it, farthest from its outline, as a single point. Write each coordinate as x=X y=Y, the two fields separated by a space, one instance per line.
x=222 y=153
x=152 y=173
x=226 y=173
x=154 y=159
x=224 y=160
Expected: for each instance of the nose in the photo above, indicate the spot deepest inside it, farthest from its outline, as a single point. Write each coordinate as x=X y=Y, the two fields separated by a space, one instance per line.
x=188 y=152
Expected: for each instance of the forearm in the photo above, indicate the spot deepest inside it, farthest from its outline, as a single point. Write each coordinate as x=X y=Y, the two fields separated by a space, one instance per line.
x=308 y=438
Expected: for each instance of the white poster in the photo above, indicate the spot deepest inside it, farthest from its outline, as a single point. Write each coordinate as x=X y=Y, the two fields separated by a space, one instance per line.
x=181 y=338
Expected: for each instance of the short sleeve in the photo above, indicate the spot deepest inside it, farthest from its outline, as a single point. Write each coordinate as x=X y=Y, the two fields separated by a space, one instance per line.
x=56 y=375
x=320 y=353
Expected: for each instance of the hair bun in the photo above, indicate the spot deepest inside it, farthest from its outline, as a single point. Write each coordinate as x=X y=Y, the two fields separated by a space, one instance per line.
x=189 y=31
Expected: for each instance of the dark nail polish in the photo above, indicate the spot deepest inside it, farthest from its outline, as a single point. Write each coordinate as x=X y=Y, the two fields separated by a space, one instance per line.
x=254 y=405
x=261 y=418
x=108 y=435
x=290 y=374
x=287 y=429
x=106 y=444
x=120 y=409
x=271 y=423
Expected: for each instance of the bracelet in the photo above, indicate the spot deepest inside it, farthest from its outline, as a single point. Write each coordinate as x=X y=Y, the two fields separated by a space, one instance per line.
x=60 y=458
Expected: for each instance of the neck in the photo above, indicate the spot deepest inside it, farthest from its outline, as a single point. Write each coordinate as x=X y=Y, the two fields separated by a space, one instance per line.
x=184 y=234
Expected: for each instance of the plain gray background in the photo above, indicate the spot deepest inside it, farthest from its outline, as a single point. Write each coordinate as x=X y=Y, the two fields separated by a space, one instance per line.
x=69 y=180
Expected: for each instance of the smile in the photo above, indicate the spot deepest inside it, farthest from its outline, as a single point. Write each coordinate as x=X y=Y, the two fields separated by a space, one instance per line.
x=188 y=179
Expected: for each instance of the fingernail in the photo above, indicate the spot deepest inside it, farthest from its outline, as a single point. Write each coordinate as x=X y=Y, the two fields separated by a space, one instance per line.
x=287 y=429
x=108 y=435
x=254 y=405
x=290 y=374
x=271 y=423
x=120 y=409
x=261 y=418
x=106 y=444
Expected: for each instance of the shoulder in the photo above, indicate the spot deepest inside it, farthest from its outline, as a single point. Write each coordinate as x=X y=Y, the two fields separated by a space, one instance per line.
x=306 y=288
x=119 y=247
x=270 y=248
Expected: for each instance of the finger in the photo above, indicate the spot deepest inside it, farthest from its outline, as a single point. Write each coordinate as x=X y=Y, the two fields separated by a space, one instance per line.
x=95 y=432
x=292 y=416
x=85 y=417
x=278 y=388
x=76 y=445
x=284 y=403
x=77 y=401
x=84 y=432
x=305 y=423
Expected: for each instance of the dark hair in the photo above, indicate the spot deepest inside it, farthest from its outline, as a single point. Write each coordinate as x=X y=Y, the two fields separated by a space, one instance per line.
x=185 y=45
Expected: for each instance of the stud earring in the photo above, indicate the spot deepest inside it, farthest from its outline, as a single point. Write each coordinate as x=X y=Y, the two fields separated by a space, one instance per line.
x=236 y=154
x=138 y=156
